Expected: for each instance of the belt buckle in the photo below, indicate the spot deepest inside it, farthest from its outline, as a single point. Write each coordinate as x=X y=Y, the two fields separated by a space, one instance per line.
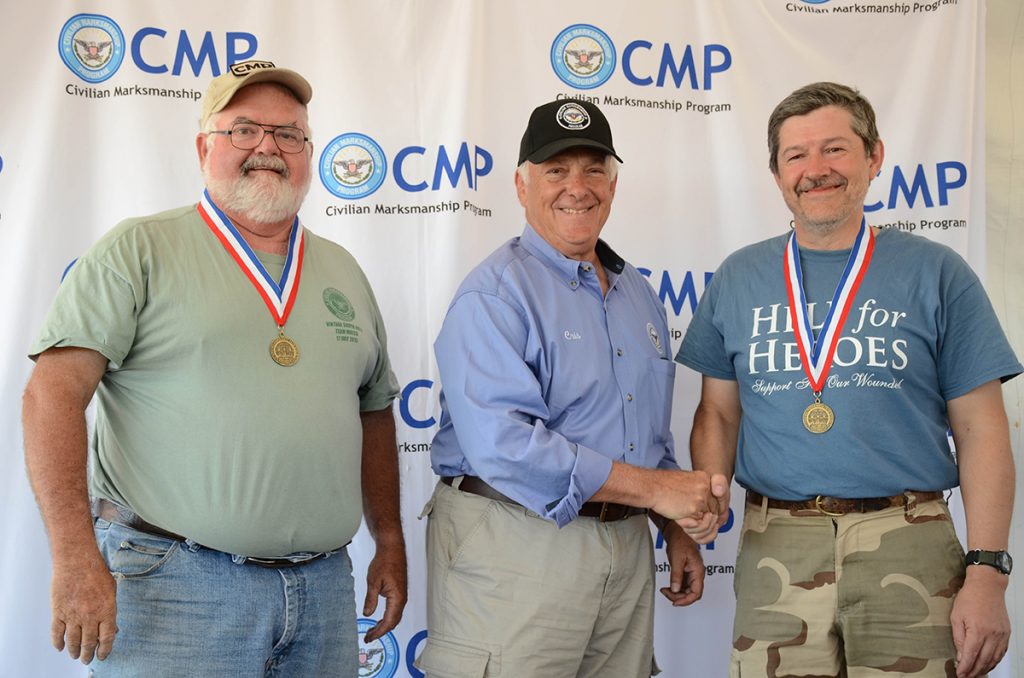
x=817 y=505
x=604 y=510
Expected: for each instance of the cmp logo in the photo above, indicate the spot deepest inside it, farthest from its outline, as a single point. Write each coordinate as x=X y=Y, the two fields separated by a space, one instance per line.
x=378 y=659
x=353 y=166
x=92 y=46
x=814 y=2
x=583 y=56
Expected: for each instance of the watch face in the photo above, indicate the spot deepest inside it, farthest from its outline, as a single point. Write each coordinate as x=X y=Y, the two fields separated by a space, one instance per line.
x=1004 y=562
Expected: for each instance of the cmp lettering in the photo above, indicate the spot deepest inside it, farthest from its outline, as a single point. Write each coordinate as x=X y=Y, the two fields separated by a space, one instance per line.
x=948 y=177
x=638 y=68
x=152 y=57
x=676 y=297
x=445 y=169
x=403 y=404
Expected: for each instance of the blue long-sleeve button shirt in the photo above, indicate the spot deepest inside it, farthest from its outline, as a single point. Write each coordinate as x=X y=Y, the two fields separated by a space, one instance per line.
x=545 y=383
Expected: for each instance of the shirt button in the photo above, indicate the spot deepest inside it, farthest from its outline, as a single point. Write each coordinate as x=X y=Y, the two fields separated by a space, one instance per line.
x=587 y=269
x=632 y=447
x=618 y=352
x=573 y=283
x=629 y=397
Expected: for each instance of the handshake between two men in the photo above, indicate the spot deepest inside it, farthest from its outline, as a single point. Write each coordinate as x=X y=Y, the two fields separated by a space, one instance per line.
x=692 y=500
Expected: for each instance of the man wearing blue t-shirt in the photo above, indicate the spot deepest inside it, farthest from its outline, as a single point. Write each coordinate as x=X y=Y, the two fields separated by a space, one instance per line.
x=834 y=360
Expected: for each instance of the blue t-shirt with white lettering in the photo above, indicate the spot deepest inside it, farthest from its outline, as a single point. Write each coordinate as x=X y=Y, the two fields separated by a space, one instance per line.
x=921 y=331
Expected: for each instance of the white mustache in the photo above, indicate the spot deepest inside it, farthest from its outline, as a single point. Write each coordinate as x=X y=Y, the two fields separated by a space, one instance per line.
x=270 y=162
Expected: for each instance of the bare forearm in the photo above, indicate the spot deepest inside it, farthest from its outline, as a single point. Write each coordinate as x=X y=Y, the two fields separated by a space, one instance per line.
x=987 y=486
x=380 y=482
x=670 y=493
x=713 y=442
x=56 y=454
x=628 y=484
x=387 y=573
x=985 y=461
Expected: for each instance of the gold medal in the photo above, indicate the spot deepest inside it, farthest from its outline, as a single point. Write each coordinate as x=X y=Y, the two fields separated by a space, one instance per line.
x=284 y=351
x=818 y=417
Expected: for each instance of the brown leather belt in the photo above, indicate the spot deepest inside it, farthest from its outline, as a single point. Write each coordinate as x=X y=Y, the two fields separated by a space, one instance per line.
x=122 y=515
x=605 y=512
x=836 y=506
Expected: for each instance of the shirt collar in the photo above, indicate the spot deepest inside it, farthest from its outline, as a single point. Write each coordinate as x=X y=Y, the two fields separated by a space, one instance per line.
x=566 y=268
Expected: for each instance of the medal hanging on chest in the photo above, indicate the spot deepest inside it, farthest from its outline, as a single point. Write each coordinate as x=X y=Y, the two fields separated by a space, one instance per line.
x=816 y=354
x=279 y=296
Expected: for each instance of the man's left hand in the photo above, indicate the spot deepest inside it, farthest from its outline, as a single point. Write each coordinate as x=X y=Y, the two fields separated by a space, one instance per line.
x=981 y=626
x=686 y=584
x=386 y=576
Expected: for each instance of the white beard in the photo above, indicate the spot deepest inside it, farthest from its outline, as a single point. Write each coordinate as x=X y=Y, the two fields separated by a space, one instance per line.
x=261 y=198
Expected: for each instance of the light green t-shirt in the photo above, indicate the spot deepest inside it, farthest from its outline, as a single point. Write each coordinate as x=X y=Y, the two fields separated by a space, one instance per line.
x=197 y=429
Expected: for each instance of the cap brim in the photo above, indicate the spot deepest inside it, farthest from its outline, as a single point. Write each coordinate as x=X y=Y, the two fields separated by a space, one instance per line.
x=548 y=151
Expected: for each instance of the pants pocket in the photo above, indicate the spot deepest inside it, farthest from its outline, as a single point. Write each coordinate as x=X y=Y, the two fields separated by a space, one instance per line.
x=443 y=658
x=132 y=554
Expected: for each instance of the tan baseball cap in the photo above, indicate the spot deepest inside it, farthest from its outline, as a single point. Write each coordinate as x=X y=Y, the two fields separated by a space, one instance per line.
x=223 y=87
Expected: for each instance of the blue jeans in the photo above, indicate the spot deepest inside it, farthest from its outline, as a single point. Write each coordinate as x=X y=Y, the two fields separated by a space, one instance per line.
x=184 y=610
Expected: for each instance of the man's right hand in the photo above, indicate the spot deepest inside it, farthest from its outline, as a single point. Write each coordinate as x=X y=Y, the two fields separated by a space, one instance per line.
x=84 y=610
x=704 y=531
x=671 y=493
x=683 y=494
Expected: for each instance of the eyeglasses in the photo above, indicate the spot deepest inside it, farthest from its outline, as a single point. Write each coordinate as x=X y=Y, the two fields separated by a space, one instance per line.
x=246 y=136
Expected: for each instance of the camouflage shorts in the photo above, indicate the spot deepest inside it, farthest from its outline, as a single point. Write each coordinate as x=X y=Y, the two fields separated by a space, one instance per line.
x=853 y=596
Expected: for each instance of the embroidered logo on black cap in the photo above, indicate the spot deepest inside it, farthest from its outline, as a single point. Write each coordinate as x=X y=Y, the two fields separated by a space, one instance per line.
x=573 y=116
x=246 y=67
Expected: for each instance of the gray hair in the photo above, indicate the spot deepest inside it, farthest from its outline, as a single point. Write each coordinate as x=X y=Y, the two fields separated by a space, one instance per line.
x=818 y=95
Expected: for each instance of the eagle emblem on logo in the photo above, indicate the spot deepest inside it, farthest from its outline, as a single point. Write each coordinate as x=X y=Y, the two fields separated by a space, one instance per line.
x=583 y=56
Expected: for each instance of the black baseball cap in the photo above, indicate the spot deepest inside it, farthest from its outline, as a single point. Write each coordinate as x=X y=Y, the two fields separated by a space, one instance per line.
x=562 y=124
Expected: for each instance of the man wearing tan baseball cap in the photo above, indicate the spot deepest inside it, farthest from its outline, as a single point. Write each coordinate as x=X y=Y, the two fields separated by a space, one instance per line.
x=237 y=441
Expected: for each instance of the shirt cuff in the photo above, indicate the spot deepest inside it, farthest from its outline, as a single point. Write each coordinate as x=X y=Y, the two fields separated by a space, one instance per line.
x=588 y=475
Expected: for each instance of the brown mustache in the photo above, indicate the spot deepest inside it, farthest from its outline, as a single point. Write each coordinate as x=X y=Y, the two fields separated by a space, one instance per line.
x=832 y=181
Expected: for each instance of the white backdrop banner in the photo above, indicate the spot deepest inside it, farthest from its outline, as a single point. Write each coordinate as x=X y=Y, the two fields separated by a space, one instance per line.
x=102 y=101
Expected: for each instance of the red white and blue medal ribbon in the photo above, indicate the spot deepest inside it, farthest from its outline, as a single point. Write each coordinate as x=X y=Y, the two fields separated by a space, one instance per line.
x=816 y=354
x=278 y=295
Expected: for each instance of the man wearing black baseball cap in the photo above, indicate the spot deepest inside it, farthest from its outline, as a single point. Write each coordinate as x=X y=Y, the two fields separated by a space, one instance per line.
x=554 y=443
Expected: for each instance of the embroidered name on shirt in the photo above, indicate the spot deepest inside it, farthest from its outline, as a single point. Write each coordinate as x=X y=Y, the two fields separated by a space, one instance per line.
x=572 y=335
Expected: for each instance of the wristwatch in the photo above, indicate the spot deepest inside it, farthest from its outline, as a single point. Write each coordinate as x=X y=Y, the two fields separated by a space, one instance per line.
x=1000 y=560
